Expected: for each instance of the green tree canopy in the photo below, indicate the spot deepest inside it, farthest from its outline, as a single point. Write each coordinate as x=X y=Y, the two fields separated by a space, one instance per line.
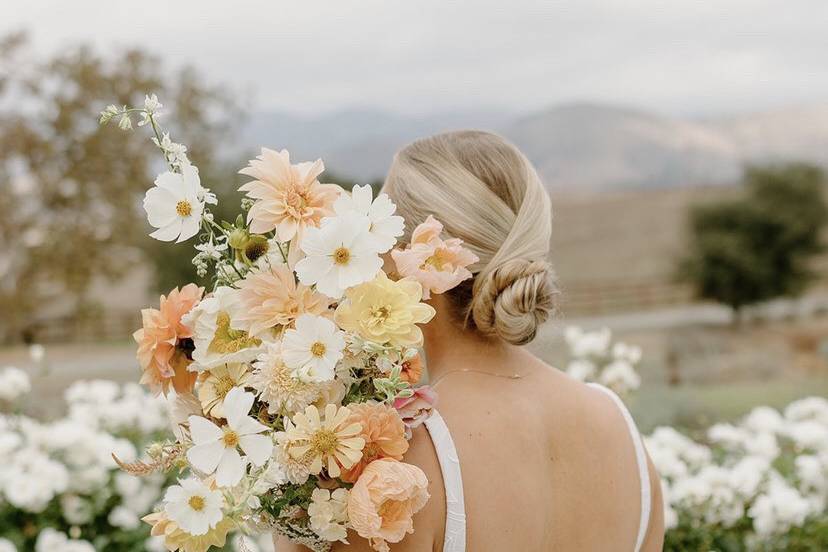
x=71 y=190
x=759 y=246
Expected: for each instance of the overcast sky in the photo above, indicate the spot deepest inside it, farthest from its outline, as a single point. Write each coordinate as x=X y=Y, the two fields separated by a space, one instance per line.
x=417 y=56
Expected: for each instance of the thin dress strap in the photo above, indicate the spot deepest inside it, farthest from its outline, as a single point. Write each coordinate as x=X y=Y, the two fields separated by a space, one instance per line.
x=641 y=460
x=455 y=538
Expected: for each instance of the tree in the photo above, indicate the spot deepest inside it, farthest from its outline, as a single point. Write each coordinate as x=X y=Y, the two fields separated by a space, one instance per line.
x=759 y=246
x=70 y=190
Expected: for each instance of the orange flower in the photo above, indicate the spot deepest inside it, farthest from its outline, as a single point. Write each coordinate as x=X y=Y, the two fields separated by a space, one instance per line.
x=412 y=369
x=384 y=434
x=271 y=297
x=288 y=197
x=163 y=342
x=436 y=264
x=384 y=499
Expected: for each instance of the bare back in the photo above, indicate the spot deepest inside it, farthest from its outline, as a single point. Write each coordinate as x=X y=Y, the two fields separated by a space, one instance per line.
x=547 y=462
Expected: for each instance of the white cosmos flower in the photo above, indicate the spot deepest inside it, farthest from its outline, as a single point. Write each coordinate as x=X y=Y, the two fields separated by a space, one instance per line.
x=339 y=255
x=216 y=448
x=194 y=506
x=175 y=205
x=385 y=227
x=313 y=348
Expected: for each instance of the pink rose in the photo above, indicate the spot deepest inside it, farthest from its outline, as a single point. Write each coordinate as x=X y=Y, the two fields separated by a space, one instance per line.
x=436 y=264
x=384 y=499
x=416 y=409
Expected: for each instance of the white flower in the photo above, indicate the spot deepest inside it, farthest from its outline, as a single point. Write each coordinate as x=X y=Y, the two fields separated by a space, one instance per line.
x=125 y=123
x=175 y=204
x=808 y=435
x=212 y=250
x=328 y=514
x=37 y=352
x=151 y=107
x=313 y=348
x=812 y=474
x=7 y=546
x=780 y=508
x=581 y=370
x=216 y=448
x=108 y=113
x=810 y=408
x=340 y=254
x=194 y=506
x=630 y=353
x=216 y=336
x=620 y=376
x=385 y=227
x=763 y=419
x=176 y=153
x=585 y=344
x=123 y=517
x=50 y=540
x=14 y=383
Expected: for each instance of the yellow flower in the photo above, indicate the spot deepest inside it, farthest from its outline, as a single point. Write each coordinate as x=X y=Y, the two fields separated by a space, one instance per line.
x=176 y=538
x=385 y=311
x=216 y=383
x=333 y=443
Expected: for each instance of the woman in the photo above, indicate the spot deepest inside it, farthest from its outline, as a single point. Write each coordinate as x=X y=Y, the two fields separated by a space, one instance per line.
x=520 y=456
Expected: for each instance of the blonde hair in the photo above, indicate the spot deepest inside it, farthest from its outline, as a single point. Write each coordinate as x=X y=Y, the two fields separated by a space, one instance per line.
x=485 y=192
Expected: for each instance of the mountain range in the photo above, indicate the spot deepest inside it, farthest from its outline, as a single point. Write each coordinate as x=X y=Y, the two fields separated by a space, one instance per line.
x=577 y=147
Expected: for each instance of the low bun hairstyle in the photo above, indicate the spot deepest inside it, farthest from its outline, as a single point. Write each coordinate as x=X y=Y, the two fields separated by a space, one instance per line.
x=485 y=192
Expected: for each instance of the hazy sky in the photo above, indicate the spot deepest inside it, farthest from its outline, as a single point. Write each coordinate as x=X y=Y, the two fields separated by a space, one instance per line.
x=415 y=56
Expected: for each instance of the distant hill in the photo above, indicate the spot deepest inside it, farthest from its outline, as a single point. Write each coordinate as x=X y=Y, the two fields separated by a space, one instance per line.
x=576 y=147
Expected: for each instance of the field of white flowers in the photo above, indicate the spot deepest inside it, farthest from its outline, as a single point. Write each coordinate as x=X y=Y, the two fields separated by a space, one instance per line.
x=758 y=484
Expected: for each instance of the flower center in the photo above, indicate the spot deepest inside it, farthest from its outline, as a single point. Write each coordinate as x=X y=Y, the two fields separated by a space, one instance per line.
x=224 y=385
x=341 y=256
x=231 y=438
x=324 y=441
x=196 y=503
x=370 y=452
x=318 y=349
x=183 y=208
x=297 y=200
x=229 y=340
x=380 y=313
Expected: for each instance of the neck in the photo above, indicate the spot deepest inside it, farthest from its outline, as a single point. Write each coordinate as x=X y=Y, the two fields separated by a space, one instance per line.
x=449 y=347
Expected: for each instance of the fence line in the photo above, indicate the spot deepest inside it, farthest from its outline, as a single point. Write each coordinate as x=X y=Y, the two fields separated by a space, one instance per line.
x=609 y=297
x=583 y=299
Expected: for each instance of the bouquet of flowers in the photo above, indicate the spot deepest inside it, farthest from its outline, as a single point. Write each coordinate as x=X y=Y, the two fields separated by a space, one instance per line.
x=294 y=379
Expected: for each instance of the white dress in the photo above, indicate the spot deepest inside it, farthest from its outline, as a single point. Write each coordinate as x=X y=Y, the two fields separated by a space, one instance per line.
x=455 y=540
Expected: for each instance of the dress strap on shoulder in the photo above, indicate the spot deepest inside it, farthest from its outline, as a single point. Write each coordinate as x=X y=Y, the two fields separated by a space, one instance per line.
x=455 y=536
x=641 y=460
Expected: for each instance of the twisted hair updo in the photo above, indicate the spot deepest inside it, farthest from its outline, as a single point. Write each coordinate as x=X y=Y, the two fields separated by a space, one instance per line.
x=485 y=192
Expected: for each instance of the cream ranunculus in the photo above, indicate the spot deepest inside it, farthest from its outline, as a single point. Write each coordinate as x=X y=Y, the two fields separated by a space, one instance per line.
x=386 y=312
x=216 y=333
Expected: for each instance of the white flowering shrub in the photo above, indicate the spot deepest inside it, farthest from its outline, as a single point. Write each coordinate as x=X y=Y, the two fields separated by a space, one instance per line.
x=594 y=356
x=760 y=484
x=60 y=489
